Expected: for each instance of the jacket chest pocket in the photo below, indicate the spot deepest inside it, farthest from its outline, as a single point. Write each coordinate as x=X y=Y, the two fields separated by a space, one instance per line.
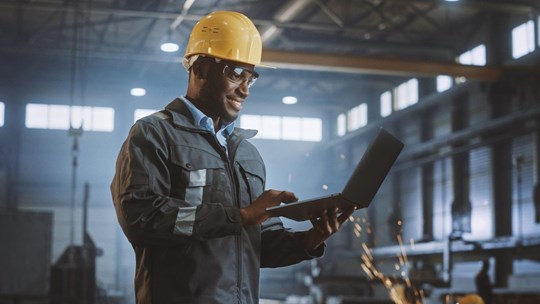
x=196 y=174
x=253 y=174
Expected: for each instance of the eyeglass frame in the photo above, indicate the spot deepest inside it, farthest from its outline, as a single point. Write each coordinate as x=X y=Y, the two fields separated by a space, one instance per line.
x=188 y=63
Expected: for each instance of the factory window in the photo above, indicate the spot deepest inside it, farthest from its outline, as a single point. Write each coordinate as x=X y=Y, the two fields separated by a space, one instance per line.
x=2 y=108
x=406 y=94
x=341 y=124
x=386 y=104
x=357 y=117
x=523 y=39
x=140 y=113
x=444 y=83
x=475 y=56
x=271 y=127
x=60 y=117
x=284 y=128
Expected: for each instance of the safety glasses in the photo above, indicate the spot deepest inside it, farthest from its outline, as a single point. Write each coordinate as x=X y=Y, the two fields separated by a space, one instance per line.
x=239 y=75
x=235 y=74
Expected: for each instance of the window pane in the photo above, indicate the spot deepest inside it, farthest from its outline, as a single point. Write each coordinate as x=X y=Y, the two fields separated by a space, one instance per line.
x=36 y=116
x=58 y=117
x=271 y=127
x=443 y=83
x=386 y=104
x=479 y=55
x=81 y=116
x=2 y=110
x=357 y=117
x=341 y=124
x=291 y=128
x=530 y=35
x=352 y=119
x=412 y=91
x=401 y=96
x=250 y=122
x=311 y=129
x=523 y=39
x=140 y=113
x=103 y=119
x=362 y=115
x=466 y=58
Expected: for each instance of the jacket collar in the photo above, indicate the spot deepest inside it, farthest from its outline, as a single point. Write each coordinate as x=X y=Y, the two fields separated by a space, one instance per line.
x=182 y=117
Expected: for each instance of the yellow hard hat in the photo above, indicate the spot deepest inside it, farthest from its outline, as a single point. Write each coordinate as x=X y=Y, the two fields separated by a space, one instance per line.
x=471 y=299
x=226 y=35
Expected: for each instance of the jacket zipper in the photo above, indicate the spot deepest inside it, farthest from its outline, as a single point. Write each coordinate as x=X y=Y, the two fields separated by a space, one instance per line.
x=236 y=198
x=238 y=238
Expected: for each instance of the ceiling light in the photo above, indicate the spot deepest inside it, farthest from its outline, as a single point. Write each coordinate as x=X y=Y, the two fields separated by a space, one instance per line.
x=138 y=92
x=289 y=100
x=169 y=47
x=451 y=0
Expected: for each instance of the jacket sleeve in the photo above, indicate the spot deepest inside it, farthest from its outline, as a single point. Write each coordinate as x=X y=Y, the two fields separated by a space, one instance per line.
x=283 y=247
x=147 y=215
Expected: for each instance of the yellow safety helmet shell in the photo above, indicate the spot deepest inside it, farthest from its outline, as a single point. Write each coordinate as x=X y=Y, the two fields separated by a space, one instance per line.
x=471 y=299
x=226 y=35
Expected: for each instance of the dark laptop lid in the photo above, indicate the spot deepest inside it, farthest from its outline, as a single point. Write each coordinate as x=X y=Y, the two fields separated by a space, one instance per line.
x=361 y=186
x=372 y=169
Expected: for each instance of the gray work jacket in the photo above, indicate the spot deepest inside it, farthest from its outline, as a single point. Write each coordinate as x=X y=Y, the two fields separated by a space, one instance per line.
x=177 y=195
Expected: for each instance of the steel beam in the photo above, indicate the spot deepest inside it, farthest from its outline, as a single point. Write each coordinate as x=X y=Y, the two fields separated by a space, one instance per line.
x=380 y=66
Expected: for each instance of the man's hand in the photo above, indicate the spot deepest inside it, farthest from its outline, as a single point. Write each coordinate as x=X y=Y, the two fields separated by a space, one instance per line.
x=256 y=213
x=324 y=225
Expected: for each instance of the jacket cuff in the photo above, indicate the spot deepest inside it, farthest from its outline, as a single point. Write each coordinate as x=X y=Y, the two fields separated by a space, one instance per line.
x=317 y=252
x=310 y=254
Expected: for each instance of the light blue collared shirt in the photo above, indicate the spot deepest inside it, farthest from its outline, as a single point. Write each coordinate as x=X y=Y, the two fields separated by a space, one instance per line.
x=207 y=123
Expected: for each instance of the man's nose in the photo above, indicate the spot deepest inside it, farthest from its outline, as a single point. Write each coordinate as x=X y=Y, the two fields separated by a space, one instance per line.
x=244 y=88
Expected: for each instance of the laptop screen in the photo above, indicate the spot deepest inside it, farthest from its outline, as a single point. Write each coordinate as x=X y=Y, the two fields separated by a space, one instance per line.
x=372 y=168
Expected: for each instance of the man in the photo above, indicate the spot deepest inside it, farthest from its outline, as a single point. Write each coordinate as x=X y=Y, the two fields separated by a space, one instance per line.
x=483 y=284
x=188 y=189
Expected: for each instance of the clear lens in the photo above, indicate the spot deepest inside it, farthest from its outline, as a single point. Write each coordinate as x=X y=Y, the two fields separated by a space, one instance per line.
x=240 y=75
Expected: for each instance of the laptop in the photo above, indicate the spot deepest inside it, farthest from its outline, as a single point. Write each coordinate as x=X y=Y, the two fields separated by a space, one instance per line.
x=361 y=187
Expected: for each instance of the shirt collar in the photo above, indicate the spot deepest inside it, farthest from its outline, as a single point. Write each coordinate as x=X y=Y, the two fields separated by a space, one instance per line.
x=203 y=121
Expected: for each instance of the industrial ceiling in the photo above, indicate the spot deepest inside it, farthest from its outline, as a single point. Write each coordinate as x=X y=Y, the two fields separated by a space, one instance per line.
x=374 y=43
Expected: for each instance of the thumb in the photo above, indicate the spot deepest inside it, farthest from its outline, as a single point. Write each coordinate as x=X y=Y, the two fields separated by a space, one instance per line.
x=287 y=197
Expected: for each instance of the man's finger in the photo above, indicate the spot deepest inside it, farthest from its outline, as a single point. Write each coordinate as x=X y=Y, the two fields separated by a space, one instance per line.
x=332 y=219
x=287 y=197
x=325 y=222
x=315 y=224
x=346 y=214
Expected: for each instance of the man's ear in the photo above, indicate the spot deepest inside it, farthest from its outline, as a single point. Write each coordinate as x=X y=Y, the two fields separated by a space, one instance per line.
x=200 y=69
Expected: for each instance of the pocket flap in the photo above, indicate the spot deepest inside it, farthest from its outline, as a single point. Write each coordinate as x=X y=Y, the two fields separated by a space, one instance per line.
x=193 y=158
x=253 y=167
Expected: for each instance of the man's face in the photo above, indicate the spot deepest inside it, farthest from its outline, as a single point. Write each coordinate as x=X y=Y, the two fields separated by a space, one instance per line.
x=222 y=94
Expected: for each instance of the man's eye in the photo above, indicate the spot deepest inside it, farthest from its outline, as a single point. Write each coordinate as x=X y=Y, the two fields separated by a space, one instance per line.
x=236 y=73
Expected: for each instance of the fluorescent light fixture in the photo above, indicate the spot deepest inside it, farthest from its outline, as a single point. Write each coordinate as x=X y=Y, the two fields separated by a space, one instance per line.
x=138 y=92
x=451 y=0
x=169 y=47
x=289 y=100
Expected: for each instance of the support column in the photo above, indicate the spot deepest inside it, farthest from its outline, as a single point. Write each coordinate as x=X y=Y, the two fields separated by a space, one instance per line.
x=500 y=100
x=427 y=173
x=503 y=268
x=461 y=205
x=536 y=189
x=10 y=135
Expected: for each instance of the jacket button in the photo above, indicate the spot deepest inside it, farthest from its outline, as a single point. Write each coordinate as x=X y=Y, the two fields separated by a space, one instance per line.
x=188 y=165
